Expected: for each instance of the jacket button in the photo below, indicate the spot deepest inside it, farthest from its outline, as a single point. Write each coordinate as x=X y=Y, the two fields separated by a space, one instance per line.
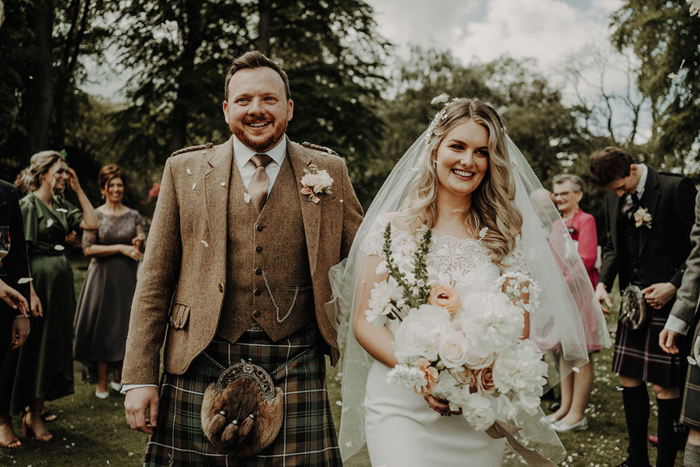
x=221 y=288
x=257 y=292
x=259 y=228
x=258 y=249
x=256 y=314
x=258 y=271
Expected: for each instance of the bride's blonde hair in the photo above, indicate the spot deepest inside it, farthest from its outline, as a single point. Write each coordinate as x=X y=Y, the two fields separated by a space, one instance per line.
x=492 y=203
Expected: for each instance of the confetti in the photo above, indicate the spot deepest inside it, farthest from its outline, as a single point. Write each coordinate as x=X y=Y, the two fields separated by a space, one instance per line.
x=340 y=403
x=189 y=171
x=24 y=280
x=692 y=361
x=205 y=243
x=59 y=247
x=341 y=200
x=575 y=369
x=49 y=223
x=194 y=185
x=61 y=210
x=246 y=197
x=223 y=184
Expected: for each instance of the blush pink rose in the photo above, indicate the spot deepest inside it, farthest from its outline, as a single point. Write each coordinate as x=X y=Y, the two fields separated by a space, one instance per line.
x=483 y=381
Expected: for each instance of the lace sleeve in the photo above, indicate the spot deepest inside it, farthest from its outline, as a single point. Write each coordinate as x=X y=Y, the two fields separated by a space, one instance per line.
x=515 y=261
x=374 y=241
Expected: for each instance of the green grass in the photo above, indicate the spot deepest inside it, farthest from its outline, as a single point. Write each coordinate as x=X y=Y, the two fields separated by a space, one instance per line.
x=93 y=432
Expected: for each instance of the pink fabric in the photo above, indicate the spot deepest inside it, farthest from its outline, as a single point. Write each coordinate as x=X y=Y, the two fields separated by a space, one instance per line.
x=582 y=229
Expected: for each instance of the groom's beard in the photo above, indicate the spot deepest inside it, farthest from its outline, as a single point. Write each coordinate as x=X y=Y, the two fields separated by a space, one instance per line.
x=263 y=143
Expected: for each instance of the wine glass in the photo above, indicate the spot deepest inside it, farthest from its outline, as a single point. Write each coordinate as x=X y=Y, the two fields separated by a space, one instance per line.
x=4 y=241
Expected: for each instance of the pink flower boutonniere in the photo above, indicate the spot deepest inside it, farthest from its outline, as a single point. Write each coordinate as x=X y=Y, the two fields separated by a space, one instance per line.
x=315 y=182
x=642 y=218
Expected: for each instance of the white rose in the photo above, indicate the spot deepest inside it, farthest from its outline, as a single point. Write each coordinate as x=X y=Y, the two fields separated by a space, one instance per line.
x=475 y=362
x=453 y=349
x=478 y=412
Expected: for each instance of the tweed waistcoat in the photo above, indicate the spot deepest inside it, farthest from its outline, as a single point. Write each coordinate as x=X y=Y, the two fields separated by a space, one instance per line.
x=268 y=274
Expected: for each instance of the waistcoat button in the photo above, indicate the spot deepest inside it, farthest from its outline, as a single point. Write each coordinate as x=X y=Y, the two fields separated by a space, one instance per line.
x=221 y=288
x=258 y=271
x=256 y=292
x=256 y=314
x=258 y=249
x=259 y=228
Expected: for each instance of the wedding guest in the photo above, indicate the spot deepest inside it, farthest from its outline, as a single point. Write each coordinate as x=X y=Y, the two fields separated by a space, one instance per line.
x=576 y=387
x=46 y=360
x=14 y=299
x=679 y=324
x=649 y=218
x=102 y=319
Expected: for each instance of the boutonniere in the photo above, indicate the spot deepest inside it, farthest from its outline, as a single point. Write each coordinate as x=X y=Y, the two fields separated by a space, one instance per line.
x=642 y=218
x=315 y=182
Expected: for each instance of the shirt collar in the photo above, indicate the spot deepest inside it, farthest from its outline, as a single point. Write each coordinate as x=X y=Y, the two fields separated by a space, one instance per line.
x=642 y=180
x=243 y=153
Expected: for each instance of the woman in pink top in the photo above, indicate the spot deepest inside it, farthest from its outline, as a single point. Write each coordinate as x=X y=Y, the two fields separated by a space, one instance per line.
x=576 y=388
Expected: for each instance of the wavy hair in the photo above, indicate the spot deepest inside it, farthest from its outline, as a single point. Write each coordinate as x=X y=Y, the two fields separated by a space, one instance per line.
x=30 y=178
x=492 y=203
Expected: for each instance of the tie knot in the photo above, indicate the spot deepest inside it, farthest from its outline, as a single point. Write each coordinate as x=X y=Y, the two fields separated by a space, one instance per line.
x=261 y=160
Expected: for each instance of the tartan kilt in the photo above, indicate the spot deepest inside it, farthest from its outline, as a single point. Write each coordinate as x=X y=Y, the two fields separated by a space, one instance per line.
x=637 y=353
x=690 y=411
x=307 y=437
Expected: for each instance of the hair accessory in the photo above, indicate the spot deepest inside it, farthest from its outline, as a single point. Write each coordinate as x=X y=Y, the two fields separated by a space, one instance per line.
x=63 y=153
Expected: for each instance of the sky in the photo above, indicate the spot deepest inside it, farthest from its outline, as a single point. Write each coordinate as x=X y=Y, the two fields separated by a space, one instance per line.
x=547 y=30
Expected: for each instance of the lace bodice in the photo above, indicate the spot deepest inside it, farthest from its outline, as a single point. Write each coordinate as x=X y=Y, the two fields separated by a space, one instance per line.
x=466 y=264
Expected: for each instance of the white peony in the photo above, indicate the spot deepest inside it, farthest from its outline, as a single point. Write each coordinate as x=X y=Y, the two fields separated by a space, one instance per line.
x=447 y=387
x=380 y=301
x=491 y=322
x=520 y=369
x=478 y=412
x=421 y=332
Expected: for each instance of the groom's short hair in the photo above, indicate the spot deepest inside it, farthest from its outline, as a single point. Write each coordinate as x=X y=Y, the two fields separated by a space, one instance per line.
x=253 y=60
x=608 y=165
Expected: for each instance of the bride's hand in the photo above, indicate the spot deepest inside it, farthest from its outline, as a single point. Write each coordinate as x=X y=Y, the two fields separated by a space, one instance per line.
x=441 y=406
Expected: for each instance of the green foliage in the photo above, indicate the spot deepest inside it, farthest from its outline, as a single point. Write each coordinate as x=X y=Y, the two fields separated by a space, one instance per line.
x=662 y=35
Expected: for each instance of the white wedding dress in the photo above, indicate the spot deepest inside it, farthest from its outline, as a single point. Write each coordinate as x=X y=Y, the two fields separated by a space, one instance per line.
x=401 y=428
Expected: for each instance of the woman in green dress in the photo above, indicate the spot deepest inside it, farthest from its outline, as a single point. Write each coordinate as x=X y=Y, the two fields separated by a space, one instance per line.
x=46 y=359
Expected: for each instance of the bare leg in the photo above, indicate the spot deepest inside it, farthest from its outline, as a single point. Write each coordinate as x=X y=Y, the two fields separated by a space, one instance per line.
x=102 y=377
x=8 y=438
x=32 y=421
x=566 y=391
x=582 y=385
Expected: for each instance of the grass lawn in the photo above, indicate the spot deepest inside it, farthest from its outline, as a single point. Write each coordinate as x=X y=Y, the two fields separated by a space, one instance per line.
x=93 y=432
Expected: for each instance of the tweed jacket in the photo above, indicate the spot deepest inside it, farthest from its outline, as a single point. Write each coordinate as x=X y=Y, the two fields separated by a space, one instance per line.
x=664 y=247
x=686 y=305
x=185 y=261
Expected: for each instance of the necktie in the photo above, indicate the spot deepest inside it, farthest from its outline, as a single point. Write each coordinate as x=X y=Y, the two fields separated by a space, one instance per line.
x=257 y=189
x=630 y=206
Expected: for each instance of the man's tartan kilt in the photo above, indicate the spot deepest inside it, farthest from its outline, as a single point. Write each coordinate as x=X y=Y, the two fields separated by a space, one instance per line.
x=307 y=437
x=637 y=353
x=690 y=412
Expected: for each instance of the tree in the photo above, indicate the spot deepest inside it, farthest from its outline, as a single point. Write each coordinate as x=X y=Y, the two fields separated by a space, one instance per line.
x=663 y=36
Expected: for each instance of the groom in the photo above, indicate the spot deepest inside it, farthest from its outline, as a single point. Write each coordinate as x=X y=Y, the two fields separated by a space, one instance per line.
x=649 y=218
x=237 y=269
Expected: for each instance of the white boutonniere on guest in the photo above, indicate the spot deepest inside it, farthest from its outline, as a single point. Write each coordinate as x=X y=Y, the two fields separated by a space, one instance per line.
x=642 y=218
x=316 y=182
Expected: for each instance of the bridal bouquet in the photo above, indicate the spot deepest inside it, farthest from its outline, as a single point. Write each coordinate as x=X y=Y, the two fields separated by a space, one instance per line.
x=459 y=347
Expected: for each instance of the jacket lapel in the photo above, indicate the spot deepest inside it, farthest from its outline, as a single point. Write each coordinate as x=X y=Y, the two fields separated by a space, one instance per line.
x=650 y=201
x=216 y=197
x=310 y=212
x=614 y=213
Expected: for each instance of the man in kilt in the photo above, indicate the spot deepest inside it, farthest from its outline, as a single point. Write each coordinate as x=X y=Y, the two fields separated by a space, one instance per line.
x=649 y=217
x=236 y=269
x=683 y=318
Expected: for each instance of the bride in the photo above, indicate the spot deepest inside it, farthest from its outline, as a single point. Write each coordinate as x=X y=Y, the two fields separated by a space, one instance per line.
x=466 y=181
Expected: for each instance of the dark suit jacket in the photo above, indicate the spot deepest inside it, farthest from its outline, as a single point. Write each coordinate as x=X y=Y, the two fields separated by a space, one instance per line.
x=663 y=248
x=14 y=265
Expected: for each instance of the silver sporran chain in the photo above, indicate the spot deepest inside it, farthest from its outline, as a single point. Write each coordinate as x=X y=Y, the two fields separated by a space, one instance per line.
x=274 y=303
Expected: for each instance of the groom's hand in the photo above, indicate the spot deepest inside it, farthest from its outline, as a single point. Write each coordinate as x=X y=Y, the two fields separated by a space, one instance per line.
x=137 y=401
